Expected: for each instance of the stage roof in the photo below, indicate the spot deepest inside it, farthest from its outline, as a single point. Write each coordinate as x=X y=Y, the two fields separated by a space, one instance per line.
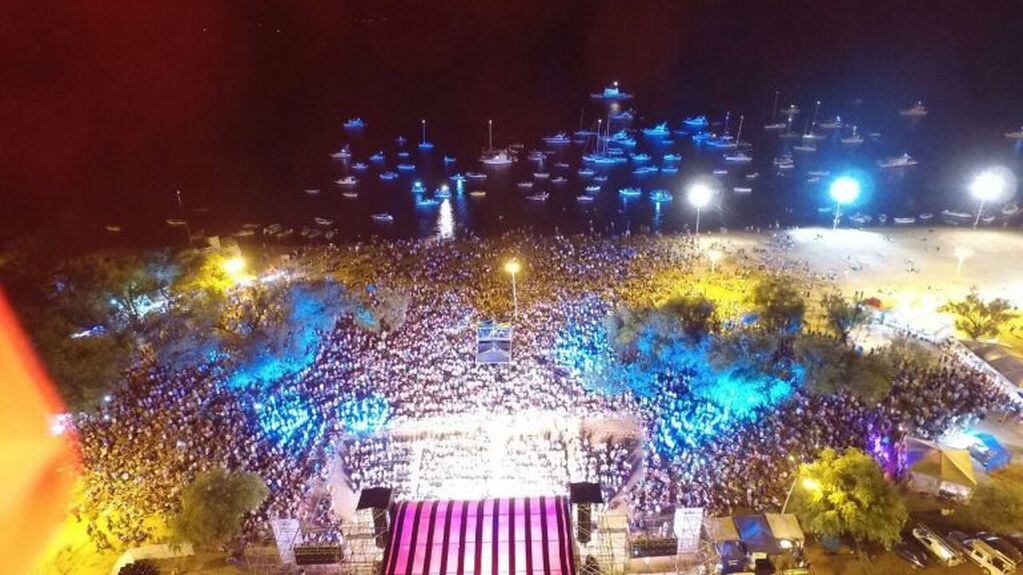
x=528 y=536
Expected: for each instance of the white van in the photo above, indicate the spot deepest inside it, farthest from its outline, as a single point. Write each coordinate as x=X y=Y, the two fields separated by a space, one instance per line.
x=991 y=560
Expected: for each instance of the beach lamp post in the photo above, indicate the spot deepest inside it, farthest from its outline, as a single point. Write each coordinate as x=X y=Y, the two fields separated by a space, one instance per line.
x=714 y=256
x=987 y=186
x=961 y=253
x=844 y=190
x=234 y=267
x=513 y=267
x=699 y=195
x=807 y=483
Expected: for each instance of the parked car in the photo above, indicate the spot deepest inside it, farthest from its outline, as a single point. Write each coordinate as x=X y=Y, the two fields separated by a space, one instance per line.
x=1002 y=544
x=912 y=552
x=936 y=545
x=991 y=560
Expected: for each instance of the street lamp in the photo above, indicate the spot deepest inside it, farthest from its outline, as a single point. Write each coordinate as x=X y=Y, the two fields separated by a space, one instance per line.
x=714 y=256
x=512 y=266
x=844 y=190
x=234 y=267
x=699 y=195
x=987 y=186
x=961 y=253
x=807 y=483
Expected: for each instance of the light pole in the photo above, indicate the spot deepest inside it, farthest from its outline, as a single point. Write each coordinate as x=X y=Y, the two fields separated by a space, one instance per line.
x=987 y=186
x=844 y=190
x=961 y=253
x=699 y=195
x=808 y=483
x=512 y=266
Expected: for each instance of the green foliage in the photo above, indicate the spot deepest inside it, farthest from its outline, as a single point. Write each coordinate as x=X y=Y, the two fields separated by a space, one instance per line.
x=697 y=314
x=752 y=352
x=779 y=304
x=910 y=355
x=842 y=315
x=978 y=318
x=846 y=494
x=110 y=290
x=214 y=504
x=830 y=367
x=997 y=505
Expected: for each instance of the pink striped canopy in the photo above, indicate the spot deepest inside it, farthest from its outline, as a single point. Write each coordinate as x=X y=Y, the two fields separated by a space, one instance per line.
x=525 y=536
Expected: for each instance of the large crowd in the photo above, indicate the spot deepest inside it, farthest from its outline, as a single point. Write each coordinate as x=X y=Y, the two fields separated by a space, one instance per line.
x=161 y=428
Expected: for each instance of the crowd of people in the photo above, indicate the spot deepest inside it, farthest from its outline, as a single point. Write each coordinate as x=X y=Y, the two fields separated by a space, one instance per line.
x=161 y=427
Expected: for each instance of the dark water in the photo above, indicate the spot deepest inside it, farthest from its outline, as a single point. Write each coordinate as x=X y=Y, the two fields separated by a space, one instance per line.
x=239 y=105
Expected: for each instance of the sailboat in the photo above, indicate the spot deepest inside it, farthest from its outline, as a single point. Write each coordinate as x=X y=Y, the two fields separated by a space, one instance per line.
x=775 y=124
x=918 y=110
x=810 y=134
x=853 y=139
x=425 y=145
x=493 y=157
x=738 y=155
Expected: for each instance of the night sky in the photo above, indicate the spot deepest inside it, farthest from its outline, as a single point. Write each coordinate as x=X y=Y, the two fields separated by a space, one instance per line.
x=120 y=103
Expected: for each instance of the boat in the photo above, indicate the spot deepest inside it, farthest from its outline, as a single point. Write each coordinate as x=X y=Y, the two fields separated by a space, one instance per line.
x=457 y=178
x=702 y=136
x=498 y=158
x=660 y=130
x=622 y=138
x=403 y=167
x=176 y=222
x=350 y=194
x=583 y=198
x=285 y=234
x=904 y=221
x=719 y=172
x=382 y=217
x=448 y=159
x=640 y=157
x=559 y=139
x=832 y=124
x=426 y=202
x=330 y=234
x=541 y=175
x=660 y=196
x=883 y=218
x=244 y=233
x=425 y=144
x=988 y=219
x=813 y=179
x=312 y=191
x=354 y=123
x=918 y=110
x=819 y=173
x=753 y=176
x=347 y=181
x=525 y=185
x=443 y=192
x=742 y=190
x=1015 y=135
x=359 y=166
x=696 y=123
x=250 y=226
x=791 y=111
x=113 y=228
x=903 y=161
x=476 y=176
x=401 y=141
x=558 y=180
x=601 y=178
x=325 y=222
x=860 y=219
x=418 y=188
x=377 y=157
x=853 y=139
x=644 y=170
x=775 y=124
x=956 y=217
x=611 y=93
x=478 y=193
x=272 y=229
x=537 y=156
x=738 y=157
x=669 y=169
x=538 y=197
x=592 y=189
x=672 y=157
x=343 y=153
x=1010 y=210
x=786 y=166
x=926 y=217
x=562 y=165
x=626 y=116
x=630 y=192
x=403 y=154
x=808 y=148
x=783 y=159
x=388 y=176
x=586 y=172
x=313 y=234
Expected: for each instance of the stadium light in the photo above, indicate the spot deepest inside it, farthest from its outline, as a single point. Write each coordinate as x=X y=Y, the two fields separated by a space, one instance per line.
x=844 y=190
x=699 y=195
x=989 y=186
x=513 y=267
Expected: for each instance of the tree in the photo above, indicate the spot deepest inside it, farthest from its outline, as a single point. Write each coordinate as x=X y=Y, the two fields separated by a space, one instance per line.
x=750 y=351
x=997 y=505
x=110 y=289
x=139 y=568
x=830 y=367
x=213 y=505
x=907 y=354
x=978 y=318
x=779 y=304
x=696 y=313
x=842 y=315
x=846 y=494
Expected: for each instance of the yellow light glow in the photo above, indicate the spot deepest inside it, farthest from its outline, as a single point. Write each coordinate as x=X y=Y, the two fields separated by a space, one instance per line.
x=234 y=266
x=714 y=255
x=512 y=266
x=811 y=484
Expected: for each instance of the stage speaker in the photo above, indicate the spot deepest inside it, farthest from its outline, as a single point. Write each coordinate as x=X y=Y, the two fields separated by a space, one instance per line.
x=585 y=527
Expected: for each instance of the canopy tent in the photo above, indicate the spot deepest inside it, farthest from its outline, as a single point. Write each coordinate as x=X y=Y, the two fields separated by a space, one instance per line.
x=1003 y=359
x=720 y=529
x=935 y=470
x=991 y=454
x=771 y=533
x=527 y=536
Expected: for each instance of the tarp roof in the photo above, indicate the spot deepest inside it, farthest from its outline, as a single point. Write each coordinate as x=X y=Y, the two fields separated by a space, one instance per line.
x=1003 y=359
x=948 y=465
x=720 y=529
x=784 y=526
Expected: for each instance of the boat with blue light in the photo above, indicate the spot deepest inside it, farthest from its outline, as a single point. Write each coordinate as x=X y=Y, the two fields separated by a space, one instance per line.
x=592 y=189
x=639 y=158
x=585 y=172
x=660 y=130
x=541 y=175
x=354 y=123
x=559 y=139
x=388 y=176
x=418 y=187
x=342 y=154
x=377 y=157
x=525 y=185
x=448 y=159
x=359 y=166
x=557 y=181
x=442 y=192
x=457 y=178
x=476 y=176
x=672 y=157
x=669 y=169
x=383 y=217
x=406 y=167
x=660 y=196
x=630 y=192
x=401 y=141
x=347 y=181
x=584 y=199
x=612 y=93
x=624 y=116
x=498 y=158
x=698 y=123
